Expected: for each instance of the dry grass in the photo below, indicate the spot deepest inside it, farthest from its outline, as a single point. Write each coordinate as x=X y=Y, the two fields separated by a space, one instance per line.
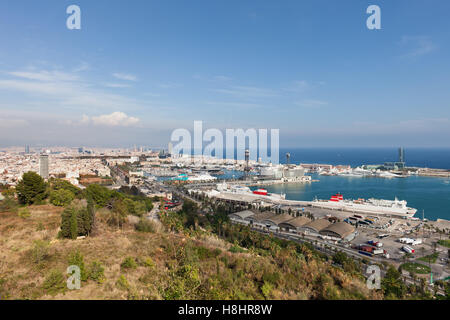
x=23 y=279
x=156 y=255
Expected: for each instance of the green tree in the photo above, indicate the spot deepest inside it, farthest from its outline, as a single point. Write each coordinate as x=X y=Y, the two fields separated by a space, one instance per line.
x=61 y=197
x=60 y=184
x=9 y=203
x=76 y=220
x=31 y=189
x=118 y=214
x=76 y=259
x=99 y=194
x=392 y=284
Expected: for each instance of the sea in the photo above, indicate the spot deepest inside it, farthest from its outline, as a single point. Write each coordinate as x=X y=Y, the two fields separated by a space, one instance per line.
x=438 y=158
x=429 y=195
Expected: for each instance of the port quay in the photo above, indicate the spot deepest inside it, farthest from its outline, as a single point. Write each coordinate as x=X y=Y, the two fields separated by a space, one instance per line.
x=374 y=229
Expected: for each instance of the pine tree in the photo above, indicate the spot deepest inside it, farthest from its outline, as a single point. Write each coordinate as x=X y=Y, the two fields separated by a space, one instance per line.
x=31 y=189
x=74 y=224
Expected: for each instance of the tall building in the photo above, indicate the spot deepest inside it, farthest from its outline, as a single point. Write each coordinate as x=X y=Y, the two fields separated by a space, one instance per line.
x=27 y=149
x=43 y=166
x=401 y=155
x=170 y=148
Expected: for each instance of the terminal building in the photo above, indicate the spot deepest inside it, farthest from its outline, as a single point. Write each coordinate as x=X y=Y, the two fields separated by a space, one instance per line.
x=289 y=173
x=286 y=222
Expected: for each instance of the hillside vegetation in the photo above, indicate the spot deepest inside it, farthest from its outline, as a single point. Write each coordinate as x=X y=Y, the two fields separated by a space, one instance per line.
x=186 y=255
x=159 y=265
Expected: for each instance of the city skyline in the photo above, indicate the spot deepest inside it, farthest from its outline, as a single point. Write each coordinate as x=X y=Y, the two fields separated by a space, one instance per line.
x=136 y=72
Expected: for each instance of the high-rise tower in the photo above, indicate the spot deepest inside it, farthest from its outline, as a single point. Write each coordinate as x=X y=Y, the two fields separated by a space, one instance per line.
x=247 y=158
x=43 y=166
x=401 y=155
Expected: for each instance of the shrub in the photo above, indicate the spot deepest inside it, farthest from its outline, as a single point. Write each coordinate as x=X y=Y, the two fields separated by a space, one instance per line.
x=76 y=259
x=40 y=251
x=61 y=197
x=76 y=220
x=205 y=253
x=236 y=249
x=40 y=226
x=148 y=262
x=145 y=225
x=266 y=289
x=54 y=283
x=24 y=213
x=96 y=272
x=118 y=214
x=9 y=203
x=136 y=208
x=445 y=243
x=129 y=263
x=122 y=283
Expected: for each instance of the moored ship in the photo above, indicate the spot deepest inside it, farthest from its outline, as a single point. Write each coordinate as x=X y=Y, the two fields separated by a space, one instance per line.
x=377 y=206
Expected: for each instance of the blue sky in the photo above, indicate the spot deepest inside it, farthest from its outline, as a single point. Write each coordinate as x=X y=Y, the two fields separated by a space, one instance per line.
x=139 y=69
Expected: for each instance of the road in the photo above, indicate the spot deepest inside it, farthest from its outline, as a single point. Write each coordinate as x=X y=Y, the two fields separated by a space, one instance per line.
x=321 y=245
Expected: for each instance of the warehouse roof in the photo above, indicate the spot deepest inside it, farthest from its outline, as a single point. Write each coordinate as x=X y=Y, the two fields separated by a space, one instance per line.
x=279 y=218
x=317 y=225
x=340 y=229
x=261 y=216
x=296 y=222
x=242 y=214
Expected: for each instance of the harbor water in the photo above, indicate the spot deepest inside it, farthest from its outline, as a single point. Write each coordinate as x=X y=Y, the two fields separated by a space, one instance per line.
x=428 y=194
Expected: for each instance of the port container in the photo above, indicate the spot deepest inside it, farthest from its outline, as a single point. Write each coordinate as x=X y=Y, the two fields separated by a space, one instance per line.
x=366 y=248
x=366 y=253
x=374 y=243
x=408 y=249
x=378 y=251
x=406 y=240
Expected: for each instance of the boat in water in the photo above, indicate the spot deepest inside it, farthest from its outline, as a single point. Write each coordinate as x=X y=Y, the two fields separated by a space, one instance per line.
x=257 y=194
x=376 y=206
x=262 y=192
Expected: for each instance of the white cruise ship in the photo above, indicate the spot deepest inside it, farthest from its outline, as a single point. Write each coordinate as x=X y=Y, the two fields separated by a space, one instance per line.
x=373 y=206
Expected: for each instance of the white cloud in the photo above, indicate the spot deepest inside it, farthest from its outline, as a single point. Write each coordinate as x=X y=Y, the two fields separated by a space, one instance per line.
x=117 y=85
x=298 y=86
x=115 y=119
x=12 y=123
x=124 y=76
x=246 y=91
x=222 y=78
x=169 y=85
x=84 y=66
x=238 y=105
x=54 y=89
x=44 y=75
x=308 y=103
x=418 y=45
